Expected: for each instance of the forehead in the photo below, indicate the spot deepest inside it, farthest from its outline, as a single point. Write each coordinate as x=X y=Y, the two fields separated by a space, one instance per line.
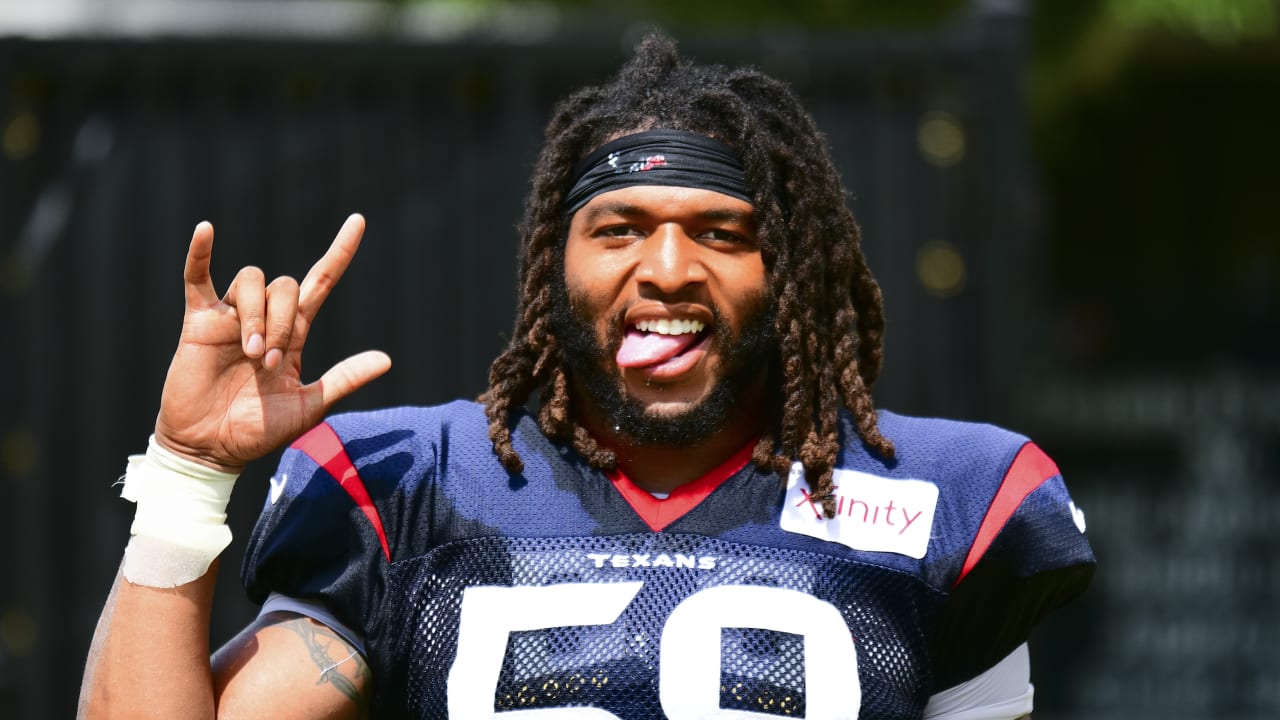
x=659 y=201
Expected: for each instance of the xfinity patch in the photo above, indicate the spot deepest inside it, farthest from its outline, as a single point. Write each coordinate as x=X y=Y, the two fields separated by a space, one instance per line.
x=873 y=513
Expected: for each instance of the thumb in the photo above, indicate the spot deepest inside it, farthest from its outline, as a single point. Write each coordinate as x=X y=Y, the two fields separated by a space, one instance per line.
x=347 y=376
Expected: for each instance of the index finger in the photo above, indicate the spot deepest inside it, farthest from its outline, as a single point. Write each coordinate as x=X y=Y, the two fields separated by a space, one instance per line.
x=196 y=279
x=322 y=276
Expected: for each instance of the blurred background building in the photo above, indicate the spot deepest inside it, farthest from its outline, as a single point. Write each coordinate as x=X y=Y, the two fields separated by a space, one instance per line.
x=1070 y=205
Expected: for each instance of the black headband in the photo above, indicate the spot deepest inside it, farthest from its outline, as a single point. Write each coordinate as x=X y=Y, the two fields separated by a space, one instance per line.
x=658 y=157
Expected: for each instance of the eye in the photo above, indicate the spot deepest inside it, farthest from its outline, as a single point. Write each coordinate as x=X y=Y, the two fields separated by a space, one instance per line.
x=718 y=234
x=619 y=231
x=721 y=235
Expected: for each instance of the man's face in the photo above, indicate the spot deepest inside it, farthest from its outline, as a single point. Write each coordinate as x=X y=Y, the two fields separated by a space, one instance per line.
x=668 y=324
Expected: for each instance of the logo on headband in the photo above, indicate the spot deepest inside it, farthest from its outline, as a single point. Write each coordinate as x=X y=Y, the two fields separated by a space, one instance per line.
x=647 y=163
x=678 y=158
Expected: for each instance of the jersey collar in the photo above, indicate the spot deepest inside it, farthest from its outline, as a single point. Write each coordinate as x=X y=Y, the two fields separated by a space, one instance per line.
x=658 y=513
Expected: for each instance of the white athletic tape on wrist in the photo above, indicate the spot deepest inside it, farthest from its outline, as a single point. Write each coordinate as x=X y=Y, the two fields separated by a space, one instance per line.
x=180 y=524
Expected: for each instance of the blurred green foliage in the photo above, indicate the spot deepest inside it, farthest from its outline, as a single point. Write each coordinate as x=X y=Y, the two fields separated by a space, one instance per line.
x=1221 y=21
x=730 y=15
x=1217 y=20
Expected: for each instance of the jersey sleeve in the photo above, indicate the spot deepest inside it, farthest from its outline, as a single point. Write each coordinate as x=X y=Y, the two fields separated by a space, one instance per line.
x=1028 y=557
x=323 y=535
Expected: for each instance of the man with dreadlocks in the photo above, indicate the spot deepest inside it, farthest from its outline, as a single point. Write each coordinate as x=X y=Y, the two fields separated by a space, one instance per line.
x=700 y=514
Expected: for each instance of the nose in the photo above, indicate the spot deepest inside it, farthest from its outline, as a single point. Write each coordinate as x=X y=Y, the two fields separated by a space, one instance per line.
x=669 y=260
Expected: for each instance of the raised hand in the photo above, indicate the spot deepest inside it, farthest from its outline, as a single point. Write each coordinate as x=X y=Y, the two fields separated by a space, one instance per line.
x=234 y=390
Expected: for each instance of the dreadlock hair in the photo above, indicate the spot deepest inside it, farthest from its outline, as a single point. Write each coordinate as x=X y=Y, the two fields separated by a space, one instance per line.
x=830 y=321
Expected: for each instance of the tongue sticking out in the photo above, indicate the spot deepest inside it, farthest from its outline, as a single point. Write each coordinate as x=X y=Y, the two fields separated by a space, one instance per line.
x=645 y=349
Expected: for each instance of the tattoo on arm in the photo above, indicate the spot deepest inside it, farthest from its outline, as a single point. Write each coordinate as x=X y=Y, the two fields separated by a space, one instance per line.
x=340 y=665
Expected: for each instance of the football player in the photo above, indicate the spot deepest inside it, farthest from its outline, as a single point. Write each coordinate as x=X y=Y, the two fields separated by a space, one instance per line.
x=675 y=499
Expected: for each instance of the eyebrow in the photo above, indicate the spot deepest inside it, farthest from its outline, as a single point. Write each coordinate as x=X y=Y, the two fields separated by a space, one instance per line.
x=636 y=211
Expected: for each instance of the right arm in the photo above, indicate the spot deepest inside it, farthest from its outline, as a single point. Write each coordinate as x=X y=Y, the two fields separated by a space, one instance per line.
x=233 y=394
x=281 y=666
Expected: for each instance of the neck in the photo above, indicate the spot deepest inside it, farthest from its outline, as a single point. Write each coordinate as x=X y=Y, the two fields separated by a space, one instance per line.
x=663 y=468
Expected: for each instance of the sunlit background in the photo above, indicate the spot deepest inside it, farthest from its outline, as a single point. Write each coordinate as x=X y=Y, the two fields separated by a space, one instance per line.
x=1071 y=206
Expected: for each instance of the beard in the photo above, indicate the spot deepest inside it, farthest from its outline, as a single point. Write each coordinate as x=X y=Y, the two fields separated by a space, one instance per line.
x=748 y=356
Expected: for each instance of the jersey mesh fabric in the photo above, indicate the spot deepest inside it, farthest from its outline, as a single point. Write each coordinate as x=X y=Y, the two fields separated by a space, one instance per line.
x=615 y=666
x=767 y=671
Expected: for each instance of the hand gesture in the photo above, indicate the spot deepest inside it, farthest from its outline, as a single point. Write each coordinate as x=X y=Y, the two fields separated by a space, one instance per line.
x=234 y=390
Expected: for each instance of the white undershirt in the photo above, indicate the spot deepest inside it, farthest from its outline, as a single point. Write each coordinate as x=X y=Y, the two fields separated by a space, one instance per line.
x=316 y=611
x=1003 y=692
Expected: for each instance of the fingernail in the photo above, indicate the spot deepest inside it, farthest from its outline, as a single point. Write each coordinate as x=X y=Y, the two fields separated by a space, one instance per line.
x=272 y=359
x=254 y=346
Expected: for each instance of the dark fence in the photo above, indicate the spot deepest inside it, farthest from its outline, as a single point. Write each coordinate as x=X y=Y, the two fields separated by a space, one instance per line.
x=114 y=150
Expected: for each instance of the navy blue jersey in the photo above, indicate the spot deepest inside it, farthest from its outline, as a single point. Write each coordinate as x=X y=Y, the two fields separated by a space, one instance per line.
x=478 y=591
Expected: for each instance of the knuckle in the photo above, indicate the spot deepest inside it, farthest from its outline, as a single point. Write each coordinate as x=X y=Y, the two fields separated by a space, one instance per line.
x=279 y=327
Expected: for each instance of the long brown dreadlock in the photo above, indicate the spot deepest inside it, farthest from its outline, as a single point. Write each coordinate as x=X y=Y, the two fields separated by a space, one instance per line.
x=830 y=319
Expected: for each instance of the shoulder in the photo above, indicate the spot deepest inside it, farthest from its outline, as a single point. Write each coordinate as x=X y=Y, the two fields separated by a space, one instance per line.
x=983 y=481
x=385 y=464
x=976 y=466
x=912 y=426
x=939 y=449
x=375 y=452
x=392 y=446
x=372 y=435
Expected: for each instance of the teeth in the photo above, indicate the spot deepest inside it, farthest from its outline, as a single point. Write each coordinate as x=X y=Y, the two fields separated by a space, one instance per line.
x=670 y=327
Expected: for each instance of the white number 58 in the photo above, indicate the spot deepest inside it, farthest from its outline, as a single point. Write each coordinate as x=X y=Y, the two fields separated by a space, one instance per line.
x=689 y=678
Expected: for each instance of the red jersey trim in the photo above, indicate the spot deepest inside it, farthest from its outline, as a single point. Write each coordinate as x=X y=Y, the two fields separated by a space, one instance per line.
x=658 y=513
x=1029 y=470
x=322 y=445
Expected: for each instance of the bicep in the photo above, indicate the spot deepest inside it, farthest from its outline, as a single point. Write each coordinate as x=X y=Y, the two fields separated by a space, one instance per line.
x=287 y=666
